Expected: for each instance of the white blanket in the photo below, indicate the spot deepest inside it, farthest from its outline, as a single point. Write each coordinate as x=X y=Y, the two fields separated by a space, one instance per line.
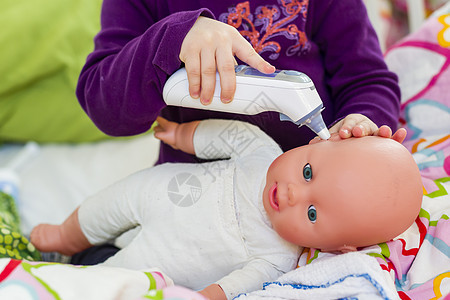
x=349 y=276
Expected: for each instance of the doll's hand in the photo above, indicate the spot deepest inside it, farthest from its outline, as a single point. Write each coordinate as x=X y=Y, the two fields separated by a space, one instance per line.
x=178 y=136
x=358 y=125
x=213 y=292
x=166 y=131
x=211 y=44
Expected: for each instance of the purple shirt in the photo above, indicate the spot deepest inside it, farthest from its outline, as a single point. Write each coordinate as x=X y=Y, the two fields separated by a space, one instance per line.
x=138 y=47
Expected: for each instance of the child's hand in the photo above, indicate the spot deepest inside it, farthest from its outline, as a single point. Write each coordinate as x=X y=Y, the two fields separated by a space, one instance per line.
x=358 y=125
x=178 y=136
x=211 y=44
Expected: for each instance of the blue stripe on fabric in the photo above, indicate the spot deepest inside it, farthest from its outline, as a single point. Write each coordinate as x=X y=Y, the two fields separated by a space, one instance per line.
x=327 y=285
x=438 y=244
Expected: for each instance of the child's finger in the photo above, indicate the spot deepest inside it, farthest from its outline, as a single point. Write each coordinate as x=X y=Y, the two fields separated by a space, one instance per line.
x=225 y=66
x=193 y=71
x=208 y=75
x=360 y=130
x=357 y=125
x=247 y=54
x=400 y=135
x=347 y=127
x=384 y=131
x=364 y=128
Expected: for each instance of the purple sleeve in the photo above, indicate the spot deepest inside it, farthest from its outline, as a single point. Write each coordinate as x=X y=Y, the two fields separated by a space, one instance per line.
x=120 y=86
x=360 y=81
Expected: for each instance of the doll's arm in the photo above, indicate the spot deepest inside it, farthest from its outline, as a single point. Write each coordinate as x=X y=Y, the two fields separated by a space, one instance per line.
x=178 y=135
x=214 y=139
x=250 y=278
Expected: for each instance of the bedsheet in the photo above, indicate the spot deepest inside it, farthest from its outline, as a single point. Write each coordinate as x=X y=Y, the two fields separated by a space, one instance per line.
x=415 y=265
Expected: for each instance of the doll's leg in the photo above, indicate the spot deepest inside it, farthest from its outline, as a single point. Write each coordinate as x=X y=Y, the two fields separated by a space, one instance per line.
x=66 y=238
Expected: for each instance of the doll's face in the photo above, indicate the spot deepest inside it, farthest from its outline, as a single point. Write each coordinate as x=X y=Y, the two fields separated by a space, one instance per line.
x=342 y=194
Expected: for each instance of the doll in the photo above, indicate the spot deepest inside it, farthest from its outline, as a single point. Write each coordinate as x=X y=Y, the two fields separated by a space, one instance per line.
x=227 y=225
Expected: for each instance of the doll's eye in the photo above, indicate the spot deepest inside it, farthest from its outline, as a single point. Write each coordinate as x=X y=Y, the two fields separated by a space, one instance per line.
x=307 y=172
x=312 y=213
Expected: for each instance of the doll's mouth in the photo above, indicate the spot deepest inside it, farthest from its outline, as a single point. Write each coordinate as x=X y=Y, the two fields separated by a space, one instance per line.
x=273 y=197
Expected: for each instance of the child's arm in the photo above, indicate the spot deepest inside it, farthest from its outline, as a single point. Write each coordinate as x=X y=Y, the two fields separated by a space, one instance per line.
x=139 y=46
x=365 y=94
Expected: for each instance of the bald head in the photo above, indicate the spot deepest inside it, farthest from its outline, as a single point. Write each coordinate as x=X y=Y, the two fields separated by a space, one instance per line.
x=380 y=193
x=343 y=194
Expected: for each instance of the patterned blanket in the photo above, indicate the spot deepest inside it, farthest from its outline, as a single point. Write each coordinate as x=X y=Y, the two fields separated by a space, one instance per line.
x=419 y=260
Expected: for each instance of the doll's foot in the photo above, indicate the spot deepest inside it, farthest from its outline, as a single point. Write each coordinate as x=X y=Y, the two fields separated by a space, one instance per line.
x=48 y=238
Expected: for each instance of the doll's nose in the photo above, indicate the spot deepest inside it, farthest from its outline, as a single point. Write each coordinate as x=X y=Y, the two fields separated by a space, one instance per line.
x=293 y=194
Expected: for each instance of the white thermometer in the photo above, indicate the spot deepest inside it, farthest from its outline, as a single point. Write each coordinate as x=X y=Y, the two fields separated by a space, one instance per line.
x=291 y=93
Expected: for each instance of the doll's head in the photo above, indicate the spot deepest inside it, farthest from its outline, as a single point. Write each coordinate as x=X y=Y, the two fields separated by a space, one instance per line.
x=338 y=195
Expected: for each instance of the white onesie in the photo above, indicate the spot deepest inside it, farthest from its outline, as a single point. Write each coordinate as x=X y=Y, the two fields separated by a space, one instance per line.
x=199 y=223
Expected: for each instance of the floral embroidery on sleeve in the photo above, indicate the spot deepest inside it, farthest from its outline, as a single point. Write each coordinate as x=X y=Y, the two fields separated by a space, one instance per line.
x=269 y=21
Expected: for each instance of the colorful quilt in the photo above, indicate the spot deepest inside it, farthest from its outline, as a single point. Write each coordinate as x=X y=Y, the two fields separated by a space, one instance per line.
x=419 y=260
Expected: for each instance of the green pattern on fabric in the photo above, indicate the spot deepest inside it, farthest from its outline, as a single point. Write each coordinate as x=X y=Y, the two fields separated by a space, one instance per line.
x=313 y=257
x=155 y=295
x=28 y=268
x=8 y=212
x=152 y=280
x=441 y=190
x=12 y=243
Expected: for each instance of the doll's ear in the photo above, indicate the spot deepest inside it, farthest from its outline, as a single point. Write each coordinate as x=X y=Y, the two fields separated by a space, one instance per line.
x=347 y=249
